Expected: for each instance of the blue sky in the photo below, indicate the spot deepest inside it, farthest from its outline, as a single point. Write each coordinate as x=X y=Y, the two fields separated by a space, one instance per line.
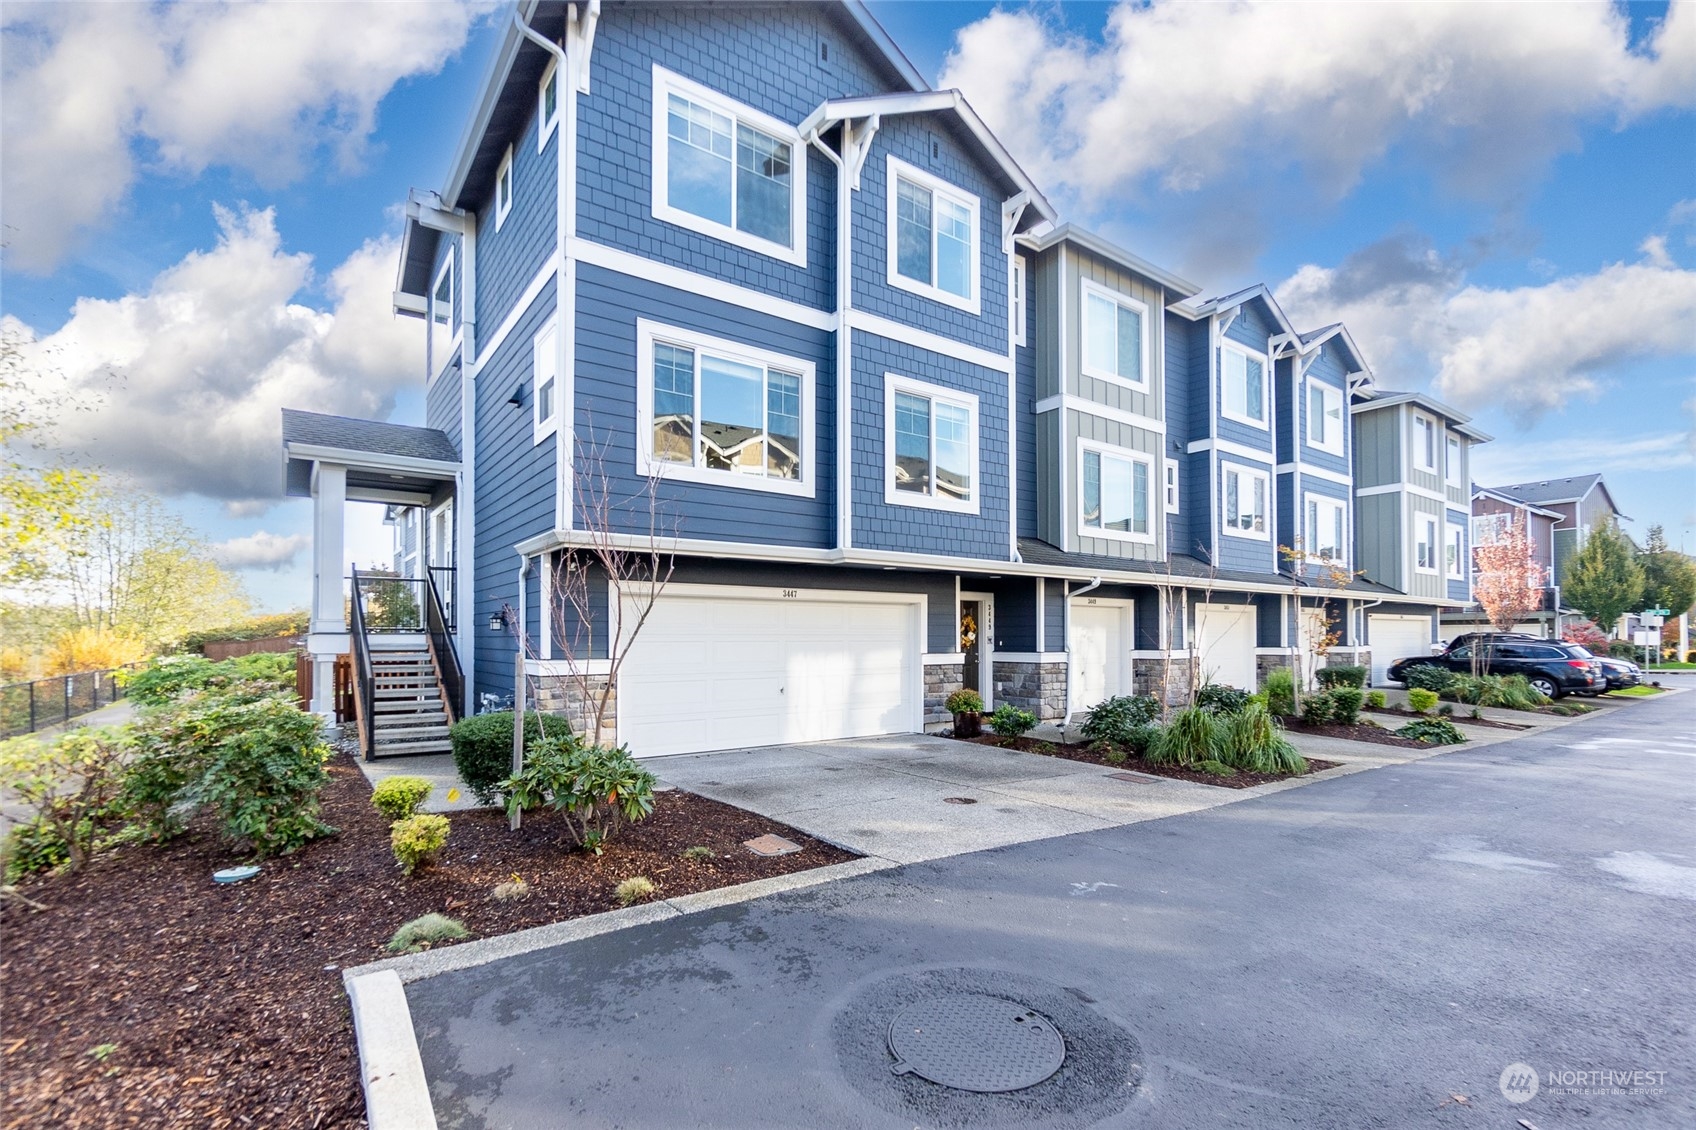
x=1500 y=201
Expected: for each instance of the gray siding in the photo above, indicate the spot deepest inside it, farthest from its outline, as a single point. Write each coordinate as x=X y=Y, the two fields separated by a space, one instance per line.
x=1049 y=516
x=1378 y=538
x=1418 y=583
x=1083 y=426
x=1082 y=266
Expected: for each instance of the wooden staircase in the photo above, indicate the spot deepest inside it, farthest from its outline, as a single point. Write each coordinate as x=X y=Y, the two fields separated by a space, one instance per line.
x=408 y=714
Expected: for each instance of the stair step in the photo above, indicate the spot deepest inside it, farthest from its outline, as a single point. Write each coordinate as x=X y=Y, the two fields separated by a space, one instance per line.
x=400 y=656
x=407 y=705
x=387 y=683
x=439 y=746
x=409 y=665
x=430 y=695
x=401 y=735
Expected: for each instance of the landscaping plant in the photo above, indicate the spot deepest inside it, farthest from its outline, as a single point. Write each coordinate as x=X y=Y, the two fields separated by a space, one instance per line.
x=70 y=785
x=1280 y=691
x=399 y=797
x=1191 y=736
x=1010 y=722
x=597 y=789
x=1505 y=692
x=698 y=852
x=637 y=888
x=1429 y=678
x=1421 y=700
x=1116 y=719
x=1316 y=709
x=1376 y=700
x=426 y=931
x=1217 y=698
x=482 y=747
x=416 y=840
x=1346 y=702
x=512 y=889
x=1253 y=740
x=1432 y=731
x=964 y=702
x=171 y=677
x=1216 y=768
x=1341 y=676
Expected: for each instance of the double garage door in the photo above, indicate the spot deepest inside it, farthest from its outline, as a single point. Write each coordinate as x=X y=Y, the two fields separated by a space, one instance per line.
x=752 y=667
x=1395 y=637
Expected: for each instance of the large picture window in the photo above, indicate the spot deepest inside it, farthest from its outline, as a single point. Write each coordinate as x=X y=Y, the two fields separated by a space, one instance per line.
x=1245 y=503
x=1115 y=336
x=932 y=444
x=715 y=411
x=1245 y=386
x=933 y=237
x=1114 y=495
x=727 y=170
x=1325 y=417
x=1326 y=529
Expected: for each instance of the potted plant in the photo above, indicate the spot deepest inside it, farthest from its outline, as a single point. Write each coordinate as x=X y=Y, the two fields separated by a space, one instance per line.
x=967 y=708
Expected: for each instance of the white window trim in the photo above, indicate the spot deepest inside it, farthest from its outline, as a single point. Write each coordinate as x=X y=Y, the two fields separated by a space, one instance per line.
x=649 y=332
x=1452 y=470
x=1458 y=573
x=1019 y=313
x=1308 y=499
x=1172 y=482
x=504 y=172
x=1264 y=424
x=667 y=82
x=1417 y=453
x=1245 y=472
x=1420 y=523
x=894 y=383
x=548 y=123
x=938 y=187
x=1120 y=299
x=544 y=359
x=1499 y=527
x=1328 y=391
x=1127 y=455
x=438 y=364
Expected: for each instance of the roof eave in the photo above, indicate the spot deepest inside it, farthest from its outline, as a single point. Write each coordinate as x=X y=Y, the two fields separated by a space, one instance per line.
x=1181 y=288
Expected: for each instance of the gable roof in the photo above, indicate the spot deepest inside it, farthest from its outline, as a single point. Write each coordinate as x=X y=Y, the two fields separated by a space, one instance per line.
x=1499 y=496
x=1226 y=302
x=1574 y=488
x=1177 y=287
x=344 y=433
x=1458 y=421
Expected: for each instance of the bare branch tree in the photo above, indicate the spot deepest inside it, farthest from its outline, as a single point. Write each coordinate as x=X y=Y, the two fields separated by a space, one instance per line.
x=1331 y=572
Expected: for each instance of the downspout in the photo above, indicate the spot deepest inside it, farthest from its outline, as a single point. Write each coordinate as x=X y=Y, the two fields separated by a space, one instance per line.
x=1360 y=630
x=844 y=346
x=464 y=522
x=1070 y=593
x=1011 y=212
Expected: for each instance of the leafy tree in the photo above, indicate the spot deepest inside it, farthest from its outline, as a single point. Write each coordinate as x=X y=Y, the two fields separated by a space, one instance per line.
x=42 y=500
x=1604 y=580
x=1669 y=579
x=1509 y=585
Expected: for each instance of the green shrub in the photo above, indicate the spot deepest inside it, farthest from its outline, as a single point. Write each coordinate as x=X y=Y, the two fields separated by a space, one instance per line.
x=1254 y=741
x=254 y=762
x=1428 y=677
x=1217 y=698
x=168 y=678
x=1216 y=768
x=1192 y=735
x=1505 y=692
x=1140 y=738
x=1341 y=675
x=1280 y=690
x=416 y=840
x=1432 y=731
x=1011 y=722
x=399 y=797
x=1376 y=700
x=964 y=702
x=1421 y=699
x=258 y=628
x=597 y=789
x=482 y=747
x=637 y=888
x=71 y=786
x=1115 y=719
x=1624 y=649
x=1110 y=753
x=1346 y=702
x=426 y=931
x=1317 y=709
x=699 y=852
x=1446 y=711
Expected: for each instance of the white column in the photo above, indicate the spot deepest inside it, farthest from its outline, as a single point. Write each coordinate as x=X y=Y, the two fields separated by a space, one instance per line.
x=329 y=637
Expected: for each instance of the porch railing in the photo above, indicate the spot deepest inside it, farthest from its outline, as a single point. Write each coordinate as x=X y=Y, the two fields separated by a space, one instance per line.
x=439 y=621
x=364 y=681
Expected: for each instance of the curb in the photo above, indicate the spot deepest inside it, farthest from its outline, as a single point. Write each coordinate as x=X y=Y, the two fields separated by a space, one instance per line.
x=397 y=1097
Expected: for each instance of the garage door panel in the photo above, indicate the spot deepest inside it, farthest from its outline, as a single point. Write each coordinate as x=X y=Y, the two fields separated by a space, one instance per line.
x=1226 y=635
x=1395 y=637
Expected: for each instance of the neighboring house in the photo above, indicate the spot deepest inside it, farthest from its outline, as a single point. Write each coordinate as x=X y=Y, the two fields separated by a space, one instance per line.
x=1494 y=513
x=907 y=432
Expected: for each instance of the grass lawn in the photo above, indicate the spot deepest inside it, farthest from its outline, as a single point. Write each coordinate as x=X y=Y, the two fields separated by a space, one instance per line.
x=1634 y=692
x=1673 y=667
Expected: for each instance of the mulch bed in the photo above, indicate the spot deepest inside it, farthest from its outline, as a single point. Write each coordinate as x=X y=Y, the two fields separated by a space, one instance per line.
x=225 y=1003
x=1354 y=732
x=1241 y=779
x=1460 y=719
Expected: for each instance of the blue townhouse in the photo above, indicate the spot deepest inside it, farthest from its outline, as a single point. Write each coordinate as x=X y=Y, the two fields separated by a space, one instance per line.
x=732 y=284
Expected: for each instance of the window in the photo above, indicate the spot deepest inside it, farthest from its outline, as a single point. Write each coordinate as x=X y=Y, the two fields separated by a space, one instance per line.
x=1326 y=532
x=1425 y=548
x=1016 y=314
x=1171 y=486
x=503 y=189
x=1115 y=343
x=441 y=316
x=933 y=445
x=1116 y=494
x=716 y=411
x=544 y=400
x=933 y=237
x=1454 y=552
x=1452 y=461
x=1425 y=444
x=547 y=104
x=1245 y=503
x=1489 y=529
x=1325 y=417
x=1245 y=386
x=727 y=170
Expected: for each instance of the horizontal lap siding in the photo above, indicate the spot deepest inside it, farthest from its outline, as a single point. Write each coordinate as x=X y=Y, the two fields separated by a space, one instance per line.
x=1322 y=488
x=1015 y=610
x=509 y=258
x=1178 y=335
x=1252 y=328
x=921 y=529
x=442 y=407
x=608 y=306
x=1054 y=604
x=1268 y=620
x=1238 y=553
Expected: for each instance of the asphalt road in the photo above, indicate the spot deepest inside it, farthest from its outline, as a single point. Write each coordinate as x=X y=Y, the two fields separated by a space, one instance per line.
x=1364 y=952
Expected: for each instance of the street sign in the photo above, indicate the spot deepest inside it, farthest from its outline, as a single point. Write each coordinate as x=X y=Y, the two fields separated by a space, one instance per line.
x=1657 y=612
x=1651 y=619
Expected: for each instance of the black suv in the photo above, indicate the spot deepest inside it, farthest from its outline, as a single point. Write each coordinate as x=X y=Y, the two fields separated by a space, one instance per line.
x=1552 y=667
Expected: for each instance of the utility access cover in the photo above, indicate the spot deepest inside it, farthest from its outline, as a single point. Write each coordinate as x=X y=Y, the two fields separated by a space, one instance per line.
x=975 y=1042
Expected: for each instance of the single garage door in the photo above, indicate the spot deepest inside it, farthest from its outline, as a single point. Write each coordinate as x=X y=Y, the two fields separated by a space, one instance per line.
x=1395 y=637
x=752 y=668
x=1225 y=633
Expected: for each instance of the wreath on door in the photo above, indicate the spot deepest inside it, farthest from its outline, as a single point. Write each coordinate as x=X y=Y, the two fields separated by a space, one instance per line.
x=968 y=631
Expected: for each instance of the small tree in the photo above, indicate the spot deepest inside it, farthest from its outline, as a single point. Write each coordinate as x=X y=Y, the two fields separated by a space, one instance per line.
x=1604 y=580
x=1328 y=571
x=1509 y=582
x=1669 y=579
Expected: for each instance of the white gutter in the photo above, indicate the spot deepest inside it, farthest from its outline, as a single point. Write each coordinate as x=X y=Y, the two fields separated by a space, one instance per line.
x=1011 y=211
x=844 y=347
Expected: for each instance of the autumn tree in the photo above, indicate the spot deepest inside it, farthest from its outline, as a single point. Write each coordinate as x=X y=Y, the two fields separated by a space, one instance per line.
x=1509 y=581
x=1604 y=580
x=42 y=498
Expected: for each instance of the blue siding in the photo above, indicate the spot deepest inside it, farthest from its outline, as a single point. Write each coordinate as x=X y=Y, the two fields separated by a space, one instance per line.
x=509 y=258
x=442 y=406
x=1015 y=610
x=1025 y=376
x=1179 y=338
x=1054 y=614
x=1459 y=590
x=920 y=529
x=1252 y=328
x=608 y=306
x=1268 y=620
x=1330 y=369
x=1244 y=554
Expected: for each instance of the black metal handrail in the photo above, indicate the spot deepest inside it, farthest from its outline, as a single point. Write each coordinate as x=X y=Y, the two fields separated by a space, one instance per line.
x=27 y=707
x=364 y=680
x=442 y=648
x=444 y=578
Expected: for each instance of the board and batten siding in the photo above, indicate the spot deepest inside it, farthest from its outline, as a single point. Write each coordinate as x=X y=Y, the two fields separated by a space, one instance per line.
x=1378 y=538
x=1378 y=447
x=1425 y=480
x=1081 y=266
x=1081 y=425
x=1419 y=583
x=1050 y=520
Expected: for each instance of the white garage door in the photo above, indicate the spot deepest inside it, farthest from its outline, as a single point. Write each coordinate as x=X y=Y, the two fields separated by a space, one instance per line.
x=1395 y=637
x=1100 y=656
x=733 y=670
x=1225 y=633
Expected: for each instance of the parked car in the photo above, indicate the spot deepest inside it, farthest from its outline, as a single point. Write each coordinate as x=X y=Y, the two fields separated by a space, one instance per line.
x=1552 y=667
x=1494 y=637
x=1619 y=673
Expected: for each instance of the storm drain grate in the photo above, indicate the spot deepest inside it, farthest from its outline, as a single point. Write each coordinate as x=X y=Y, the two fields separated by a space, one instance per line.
x=975 y=1042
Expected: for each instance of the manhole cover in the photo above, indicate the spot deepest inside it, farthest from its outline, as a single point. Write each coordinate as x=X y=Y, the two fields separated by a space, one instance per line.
x=959 y=800
x=975 y=1042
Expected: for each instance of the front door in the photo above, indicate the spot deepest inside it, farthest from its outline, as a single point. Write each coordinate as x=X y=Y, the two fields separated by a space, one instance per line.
x=977 y=635
x=1313 y=632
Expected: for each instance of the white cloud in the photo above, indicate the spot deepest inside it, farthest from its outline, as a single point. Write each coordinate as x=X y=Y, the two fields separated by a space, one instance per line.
x=1545 y=457
x=194 y=372
x=261 y=550
x=1184 y=96
x=92 y=90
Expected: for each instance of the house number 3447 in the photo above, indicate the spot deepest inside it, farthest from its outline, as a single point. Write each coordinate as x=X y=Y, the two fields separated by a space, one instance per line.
x=791 y=594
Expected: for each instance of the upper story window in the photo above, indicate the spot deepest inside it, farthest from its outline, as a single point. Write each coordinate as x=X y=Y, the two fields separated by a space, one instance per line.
x=1171 y=486
x=1425 y=543
x=1454 y=552
x=932 y=444
x=1245 y=503
x=441 y=315
x=1452 y=461
x=1016 y=300
x=503 y=189
x=547 y=104
x=1116 y=495
x=1425 y=443
x=1488 y=529
x=727 y=170
x=1115 y=336
x=1245 y=385
x=1325 y=417
x=1326 y=529
x=544 y=366
x=933 y=237
x=716 y=411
